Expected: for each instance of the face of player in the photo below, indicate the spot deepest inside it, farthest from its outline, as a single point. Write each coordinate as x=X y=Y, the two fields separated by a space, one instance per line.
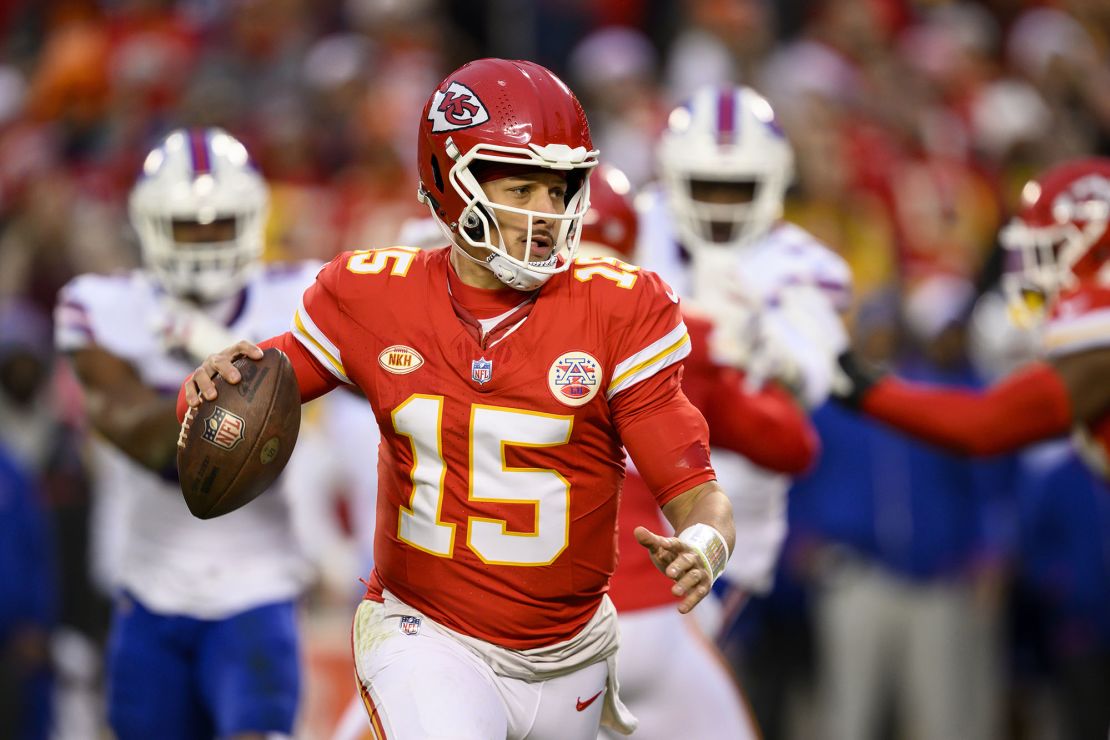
x=724 y=194
x=194 y=232
x=540 y=192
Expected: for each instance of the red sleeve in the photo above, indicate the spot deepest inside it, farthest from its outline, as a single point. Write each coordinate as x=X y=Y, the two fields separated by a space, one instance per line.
x=1029 y=406
x=767 y=427
x=312 y=379
x=664 y=434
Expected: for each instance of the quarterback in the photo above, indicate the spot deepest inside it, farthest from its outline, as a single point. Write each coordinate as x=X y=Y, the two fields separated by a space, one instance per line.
x=506 y=375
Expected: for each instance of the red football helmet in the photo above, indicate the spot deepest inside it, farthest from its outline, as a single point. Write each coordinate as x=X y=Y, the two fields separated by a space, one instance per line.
x=1059 y=233
x=512 y=113
x=609 y=227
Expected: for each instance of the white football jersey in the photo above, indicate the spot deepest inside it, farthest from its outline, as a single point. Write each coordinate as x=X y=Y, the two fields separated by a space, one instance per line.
x=795 y=289
x=148 y=542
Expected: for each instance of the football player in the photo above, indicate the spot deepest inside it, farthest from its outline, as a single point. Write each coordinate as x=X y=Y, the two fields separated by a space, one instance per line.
x=770 y=428
x=713 y=229
x=506 y=376
x=1061 y=281
x=204 y=641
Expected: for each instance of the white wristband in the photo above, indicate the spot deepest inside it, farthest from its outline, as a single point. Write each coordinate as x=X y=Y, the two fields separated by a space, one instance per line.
x=710 y=545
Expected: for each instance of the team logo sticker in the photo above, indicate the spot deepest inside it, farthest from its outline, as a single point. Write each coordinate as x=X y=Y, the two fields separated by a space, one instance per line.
x=574 y=378
x=410 y=625
x=481 y=371
x=399 y=359
x=455 y=108
x=223 y=428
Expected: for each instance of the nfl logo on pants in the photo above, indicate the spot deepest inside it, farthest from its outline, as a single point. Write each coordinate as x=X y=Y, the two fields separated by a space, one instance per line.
x=410 y=625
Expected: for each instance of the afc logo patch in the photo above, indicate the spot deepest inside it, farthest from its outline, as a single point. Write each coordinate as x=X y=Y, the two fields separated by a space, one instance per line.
x=574 y=378
x=410 y=625
x=455 y=108
x=223 y=429
x=481 y=371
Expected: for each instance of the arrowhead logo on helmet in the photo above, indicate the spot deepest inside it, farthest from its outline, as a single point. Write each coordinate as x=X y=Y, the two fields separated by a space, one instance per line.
x=456 y=108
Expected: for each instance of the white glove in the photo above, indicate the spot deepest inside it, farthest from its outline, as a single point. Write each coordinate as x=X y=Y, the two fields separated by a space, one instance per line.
x=182 y=327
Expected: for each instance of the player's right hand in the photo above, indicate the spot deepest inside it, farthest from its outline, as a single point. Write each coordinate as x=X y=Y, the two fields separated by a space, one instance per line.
x=201 y=386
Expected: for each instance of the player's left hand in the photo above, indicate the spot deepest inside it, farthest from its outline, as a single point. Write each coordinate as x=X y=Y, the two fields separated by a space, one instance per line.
x=679 y=562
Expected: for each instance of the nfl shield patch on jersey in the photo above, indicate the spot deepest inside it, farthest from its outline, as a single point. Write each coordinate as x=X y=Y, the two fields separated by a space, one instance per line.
x=481 y=371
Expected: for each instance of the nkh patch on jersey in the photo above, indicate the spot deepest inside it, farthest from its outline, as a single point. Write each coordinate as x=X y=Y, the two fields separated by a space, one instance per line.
x=400 y=360
x=455 y=108
x=223 y=428
x=574 y=378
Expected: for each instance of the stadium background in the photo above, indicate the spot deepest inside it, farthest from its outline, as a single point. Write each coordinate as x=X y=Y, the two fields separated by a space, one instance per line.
x=914 y=124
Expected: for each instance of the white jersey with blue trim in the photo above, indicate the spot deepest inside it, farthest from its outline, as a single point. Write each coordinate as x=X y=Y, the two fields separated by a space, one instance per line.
x=793 y=288
x=148 y=542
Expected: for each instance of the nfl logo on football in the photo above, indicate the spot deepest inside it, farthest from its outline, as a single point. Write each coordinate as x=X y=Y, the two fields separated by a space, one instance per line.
x=223 y=428
x=481 y=371
x=410 y=625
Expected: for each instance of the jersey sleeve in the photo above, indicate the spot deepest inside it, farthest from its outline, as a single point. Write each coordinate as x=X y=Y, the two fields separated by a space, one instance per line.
x=650 y=334
x=319 y=319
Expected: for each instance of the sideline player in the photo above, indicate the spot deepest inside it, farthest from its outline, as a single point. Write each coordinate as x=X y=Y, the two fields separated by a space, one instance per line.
x=506 y=376
x=766 y=424
x=204 y=640
x=713 y=229
x=1062 y=245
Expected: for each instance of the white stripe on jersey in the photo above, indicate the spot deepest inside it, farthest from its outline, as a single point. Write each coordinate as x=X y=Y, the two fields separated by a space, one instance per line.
x=317 y=343
x=1091 y=330
x=658 y=355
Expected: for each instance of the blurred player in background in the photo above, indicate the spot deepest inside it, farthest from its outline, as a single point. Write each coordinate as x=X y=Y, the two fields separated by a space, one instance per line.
x=713 y=229
x=1061 y=245
x=506 y=377
x=768 y=426
x=204 y=641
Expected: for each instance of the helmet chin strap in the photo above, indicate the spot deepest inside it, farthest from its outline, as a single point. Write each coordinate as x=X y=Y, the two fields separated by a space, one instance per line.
x=514 y=276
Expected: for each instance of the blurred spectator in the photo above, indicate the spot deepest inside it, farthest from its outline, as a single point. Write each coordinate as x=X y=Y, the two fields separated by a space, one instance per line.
x=906 y=609
x=1065 y=551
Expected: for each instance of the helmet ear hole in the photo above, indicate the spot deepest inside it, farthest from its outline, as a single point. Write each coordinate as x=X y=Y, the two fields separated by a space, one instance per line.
x=437 y=175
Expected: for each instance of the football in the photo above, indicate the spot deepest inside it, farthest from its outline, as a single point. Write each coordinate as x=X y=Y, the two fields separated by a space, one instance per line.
x=232 y=449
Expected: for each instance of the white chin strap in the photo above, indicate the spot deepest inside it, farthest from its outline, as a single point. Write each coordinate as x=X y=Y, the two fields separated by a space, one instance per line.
x=513 y=275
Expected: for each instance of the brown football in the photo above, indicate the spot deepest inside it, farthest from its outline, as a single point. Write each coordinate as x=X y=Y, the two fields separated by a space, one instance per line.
x=232 y=449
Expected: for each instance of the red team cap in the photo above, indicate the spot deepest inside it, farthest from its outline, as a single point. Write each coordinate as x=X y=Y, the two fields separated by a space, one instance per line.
x=493 y=114
x=610 y=225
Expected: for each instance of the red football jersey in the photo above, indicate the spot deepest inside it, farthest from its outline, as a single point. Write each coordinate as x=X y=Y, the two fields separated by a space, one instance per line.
x=767 y=426
x=499 y=466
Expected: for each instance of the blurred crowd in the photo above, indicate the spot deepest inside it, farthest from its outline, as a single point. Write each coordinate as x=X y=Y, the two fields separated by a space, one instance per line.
x=915 y=123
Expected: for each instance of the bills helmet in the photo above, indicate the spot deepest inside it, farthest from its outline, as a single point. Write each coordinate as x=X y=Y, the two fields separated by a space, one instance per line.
x=1059 y=238
x=609 y=228
x=200 y=177
x=493 y=114
x=724 y=136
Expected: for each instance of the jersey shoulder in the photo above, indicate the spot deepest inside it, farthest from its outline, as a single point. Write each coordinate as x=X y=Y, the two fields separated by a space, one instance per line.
x=363 y=276
x=102 y=309
x=1078 y=320
x=790 y=255
x=620 y=290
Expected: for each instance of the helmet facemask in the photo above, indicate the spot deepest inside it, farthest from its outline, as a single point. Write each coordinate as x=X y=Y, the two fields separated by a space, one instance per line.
x=1046 y=257
x=478 y=225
